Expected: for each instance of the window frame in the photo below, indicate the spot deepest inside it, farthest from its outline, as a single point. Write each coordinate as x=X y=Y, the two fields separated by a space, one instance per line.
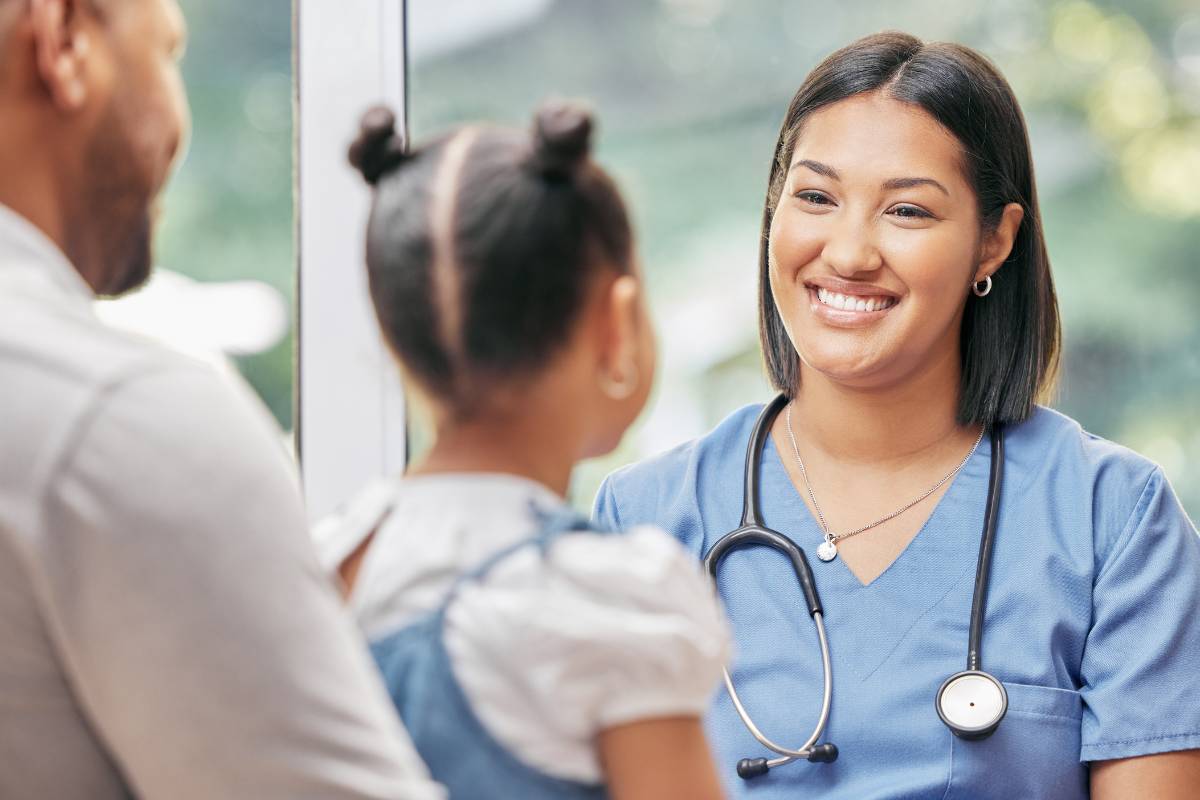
x=350 y=409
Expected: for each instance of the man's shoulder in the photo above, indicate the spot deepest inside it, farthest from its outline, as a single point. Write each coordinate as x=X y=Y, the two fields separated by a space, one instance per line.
x=66 y=348
x=70 y=377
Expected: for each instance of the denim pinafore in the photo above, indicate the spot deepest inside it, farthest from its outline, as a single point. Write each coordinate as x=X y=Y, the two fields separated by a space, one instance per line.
x=459 y=751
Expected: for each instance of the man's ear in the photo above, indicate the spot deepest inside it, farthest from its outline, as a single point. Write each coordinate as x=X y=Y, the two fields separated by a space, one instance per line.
x=61 y=48
x=998 y=244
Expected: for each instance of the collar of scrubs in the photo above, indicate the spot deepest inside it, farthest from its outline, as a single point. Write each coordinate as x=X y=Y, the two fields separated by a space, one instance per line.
x=24 y=246
x=867 y=622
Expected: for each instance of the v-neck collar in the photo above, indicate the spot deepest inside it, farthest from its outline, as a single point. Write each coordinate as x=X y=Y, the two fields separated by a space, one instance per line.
x=877 y=616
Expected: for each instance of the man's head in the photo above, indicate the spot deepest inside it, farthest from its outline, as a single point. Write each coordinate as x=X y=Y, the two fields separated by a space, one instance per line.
x=95 y=115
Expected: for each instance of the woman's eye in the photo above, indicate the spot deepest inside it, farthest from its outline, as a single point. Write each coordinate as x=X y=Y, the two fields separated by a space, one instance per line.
x=910 y=212
x=815 y=198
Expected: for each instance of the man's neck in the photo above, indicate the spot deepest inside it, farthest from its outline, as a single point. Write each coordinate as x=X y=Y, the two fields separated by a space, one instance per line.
x=30 y=187
x=29 y=198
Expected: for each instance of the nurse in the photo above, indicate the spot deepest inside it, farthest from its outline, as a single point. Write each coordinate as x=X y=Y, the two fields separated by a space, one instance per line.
x=906 y=310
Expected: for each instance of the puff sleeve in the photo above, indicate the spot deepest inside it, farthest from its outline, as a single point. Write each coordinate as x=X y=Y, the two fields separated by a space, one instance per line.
x=598 y=631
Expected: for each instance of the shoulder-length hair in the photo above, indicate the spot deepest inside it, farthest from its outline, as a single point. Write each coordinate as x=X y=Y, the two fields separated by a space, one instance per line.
x=1010 y=340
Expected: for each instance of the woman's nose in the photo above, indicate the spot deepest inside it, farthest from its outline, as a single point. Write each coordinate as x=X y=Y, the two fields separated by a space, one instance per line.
x=850 y=248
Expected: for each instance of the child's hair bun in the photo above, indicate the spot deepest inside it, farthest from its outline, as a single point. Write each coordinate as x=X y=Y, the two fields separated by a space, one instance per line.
x=378 y=149
x=562 y=139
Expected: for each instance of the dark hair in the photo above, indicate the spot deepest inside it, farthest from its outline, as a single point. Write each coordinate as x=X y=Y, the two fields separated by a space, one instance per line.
x=490 y=289
x=1010 y=340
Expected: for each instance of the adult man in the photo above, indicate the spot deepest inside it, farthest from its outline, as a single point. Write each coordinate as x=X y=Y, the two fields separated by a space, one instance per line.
x=164 y=628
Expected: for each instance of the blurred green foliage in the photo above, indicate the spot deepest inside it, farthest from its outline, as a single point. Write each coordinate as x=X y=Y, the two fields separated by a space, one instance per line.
x=228 y=211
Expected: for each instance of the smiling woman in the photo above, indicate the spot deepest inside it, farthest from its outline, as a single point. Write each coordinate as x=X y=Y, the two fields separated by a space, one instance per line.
x=907 y=310
x=934 y=185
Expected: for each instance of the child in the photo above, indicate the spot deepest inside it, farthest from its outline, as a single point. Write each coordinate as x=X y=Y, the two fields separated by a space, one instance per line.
x=529 y=655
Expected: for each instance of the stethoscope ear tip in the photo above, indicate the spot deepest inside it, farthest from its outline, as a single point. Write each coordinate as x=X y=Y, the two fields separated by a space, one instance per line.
x=752 y=768
x=824 y=753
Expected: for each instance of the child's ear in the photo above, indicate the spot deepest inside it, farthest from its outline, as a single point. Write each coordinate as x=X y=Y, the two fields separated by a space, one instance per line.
x=618 y=369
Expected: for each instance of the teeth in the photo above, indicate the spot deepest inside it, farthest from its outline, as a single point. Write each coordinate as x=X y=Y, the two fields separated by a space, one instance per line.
x=853 y=302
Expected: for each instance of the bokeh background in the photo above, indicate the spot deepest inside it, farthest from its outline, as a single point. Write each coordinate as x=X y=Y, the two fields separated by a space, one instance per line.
x=228 y=212
x=690 y=94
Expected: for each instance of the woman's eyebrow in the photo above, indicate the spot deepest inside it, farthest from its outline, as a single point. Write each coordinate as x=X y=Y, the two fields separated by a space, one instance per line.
x=908 y=183
x=817 y=167
x=893 y=183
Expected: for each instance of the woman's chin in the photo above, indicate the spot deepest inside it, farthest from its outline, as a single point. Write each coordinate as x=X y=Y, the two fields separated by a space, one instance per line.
x=856 y=370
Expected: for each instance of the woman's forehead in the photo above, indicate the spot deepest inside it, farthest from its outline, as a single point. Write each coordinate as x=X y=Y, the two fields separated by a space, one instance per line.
x=877 y=138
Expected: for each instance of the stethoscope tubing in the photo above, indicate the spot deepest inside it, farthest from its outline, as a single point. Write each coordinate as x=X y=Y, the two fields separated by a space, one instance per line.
x=984 y=566
x=754 y=532
x=805 y=750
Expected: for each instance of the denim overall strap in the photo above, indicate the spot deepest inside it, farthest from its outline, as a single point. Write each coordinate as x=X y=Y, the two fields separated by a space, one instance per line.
x=459 y=750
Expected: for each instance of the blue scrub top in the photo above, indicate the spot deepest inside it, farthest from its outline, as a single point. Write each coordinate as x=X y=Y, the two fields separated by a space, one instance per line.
x=1093 y=619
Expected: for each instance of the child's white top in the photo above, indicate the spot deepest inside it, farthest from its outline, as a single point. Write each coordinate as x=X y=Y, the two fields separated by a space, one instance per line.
x=550 y=650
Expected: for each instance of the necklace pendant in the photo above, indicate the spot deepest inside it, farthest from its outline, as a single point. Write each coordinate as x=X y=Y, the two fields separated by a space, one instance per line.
x=827 y=551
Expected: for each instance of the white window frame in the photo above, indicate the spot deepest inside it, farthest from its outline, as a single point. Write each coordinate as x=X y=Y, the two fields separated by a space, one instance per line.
x=350 y=414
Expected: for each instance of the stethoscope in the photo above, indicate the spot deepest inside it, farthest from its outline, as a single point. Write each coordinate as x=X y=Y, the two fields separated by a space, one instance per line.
x=971 y=703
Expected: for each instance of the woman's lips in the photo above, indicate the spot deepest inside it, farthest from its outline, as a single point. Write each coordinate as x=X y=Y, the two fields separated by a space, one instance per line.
x=849 y=310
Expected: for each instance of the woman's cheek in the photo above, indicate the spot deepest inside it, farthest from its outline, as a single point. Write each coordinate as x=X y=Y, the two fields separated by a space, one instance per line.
x=934 y=260
x=792 y=247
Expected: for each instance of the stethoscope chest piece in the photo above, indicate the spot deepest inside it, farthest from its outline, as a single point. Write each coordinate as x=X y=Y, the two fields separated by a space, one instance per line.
x=972 y=703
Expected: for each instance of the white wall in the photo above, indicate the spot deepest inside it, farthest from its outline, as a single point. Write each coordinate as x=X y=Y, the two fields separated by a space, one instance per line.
x=350 y=420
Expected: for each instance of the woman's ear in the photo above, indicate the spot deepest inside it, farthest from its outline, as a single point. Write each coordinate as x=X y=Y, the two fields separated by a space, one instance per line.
x=998 y=244
x=618 y=368
x=62 y=50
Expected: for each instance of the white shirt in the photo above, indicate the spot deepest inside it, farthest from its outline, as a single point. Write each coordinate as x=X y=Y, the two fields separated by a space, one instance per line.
x=551 y=649
x=165 y=631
